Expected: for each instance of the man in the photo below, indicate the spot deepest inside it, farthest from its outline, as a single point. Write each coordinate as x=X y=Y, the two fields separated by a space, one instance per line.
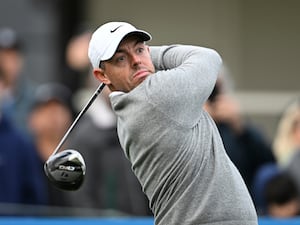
x=17 y=87
x=173 y=145
x=22 y=179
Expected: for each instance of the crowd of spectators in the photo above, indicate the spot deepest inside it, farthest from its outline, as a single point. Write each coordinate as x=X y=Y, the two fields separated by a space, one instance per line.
x=33 y=119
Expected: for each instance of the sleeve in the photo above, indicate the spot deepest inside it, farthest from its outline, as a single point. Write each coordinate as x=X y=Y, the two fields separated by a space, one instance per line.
x=185 y=76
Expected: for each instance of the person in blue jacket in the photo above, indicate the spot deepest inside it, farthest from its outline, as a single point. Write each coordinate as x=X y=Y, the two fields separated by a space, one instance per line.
x=21 y=173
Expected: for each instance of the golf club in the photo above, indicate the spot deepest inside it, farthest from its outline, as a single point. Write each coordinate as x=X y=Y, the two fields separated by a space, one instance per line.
x=66 y=169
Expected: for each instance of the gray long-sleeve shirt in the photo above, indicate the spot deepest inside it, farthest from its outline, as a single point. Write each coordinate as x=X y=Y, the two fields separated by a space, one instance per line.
x=174 y=146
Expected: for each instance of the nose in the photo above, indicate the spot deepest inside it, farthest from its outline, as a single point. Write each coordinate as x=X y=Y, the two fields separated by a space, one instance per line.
x=135 y=59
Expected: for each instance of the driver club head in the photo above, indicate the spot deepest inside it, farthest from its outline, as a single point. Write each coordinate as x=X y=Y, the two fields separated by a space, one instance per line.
x=66 y=169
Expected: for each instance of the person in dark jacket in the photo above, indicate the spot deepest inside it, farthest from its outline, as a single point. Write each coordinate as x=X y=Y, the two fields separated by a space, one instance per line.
x=21 y=173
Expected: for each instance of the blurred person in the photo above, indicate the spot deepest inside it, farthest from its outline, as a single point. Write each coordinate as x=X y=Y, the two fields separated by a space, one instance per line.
x=109 y=181
x=50 y=117
x=245 y=145
x=293 y=168
x=281 y=196
x=261 y=178
x=76 y=61
x=173 y=145
x=21 y=173
x=17 y=87
x=286 y=143
x=287 y=135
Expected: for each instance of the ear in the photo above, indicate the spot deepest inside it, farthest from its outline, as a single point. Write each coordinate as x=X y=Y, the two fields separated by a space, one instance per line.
x=101 y=76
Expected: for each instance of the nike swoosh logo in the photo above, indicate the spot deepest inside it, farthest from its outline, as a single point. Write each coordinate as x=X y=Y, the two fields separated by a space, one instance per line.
x=111 y=31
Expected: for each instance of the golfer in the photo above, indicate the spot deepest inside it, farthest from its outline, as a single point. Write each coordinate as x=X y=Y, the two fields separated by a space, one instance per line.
x=173 y=145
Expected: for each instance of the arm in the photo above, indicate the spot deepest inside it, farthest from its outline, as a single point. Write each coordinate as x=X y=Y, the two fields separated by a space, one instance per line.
x=184 y=79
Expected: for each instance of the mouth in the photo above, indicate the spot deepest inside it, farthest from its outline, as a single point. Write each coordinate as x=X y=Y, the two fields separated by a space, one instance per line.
x=143 y=73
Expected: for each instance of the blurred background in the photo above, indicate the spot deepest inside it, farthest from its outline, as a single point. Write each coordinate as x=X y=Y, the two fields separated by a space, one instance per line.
x=258 y=41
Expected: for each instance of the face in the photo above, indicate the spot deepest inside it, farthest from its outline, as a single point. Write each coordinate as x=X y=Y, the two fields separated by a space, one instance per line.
x=287 y=210
x=48 y=122
x=50 y=119
x=10 y=65
x=129 y=66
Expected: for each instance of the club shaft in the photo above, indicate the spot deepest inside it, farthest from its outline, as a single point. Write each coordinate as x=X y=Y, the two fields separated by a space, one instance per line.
x=85 y=108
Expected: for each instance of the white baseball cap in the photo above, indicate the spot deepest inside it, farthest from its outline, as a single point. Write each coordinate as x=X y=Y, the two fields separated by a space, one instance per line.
x=106 y=39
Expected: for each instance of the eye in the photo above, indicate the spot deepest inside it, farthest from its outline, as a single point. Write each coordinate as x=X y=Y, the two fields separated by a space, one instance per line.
x=140 y=50
x=120 y=58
